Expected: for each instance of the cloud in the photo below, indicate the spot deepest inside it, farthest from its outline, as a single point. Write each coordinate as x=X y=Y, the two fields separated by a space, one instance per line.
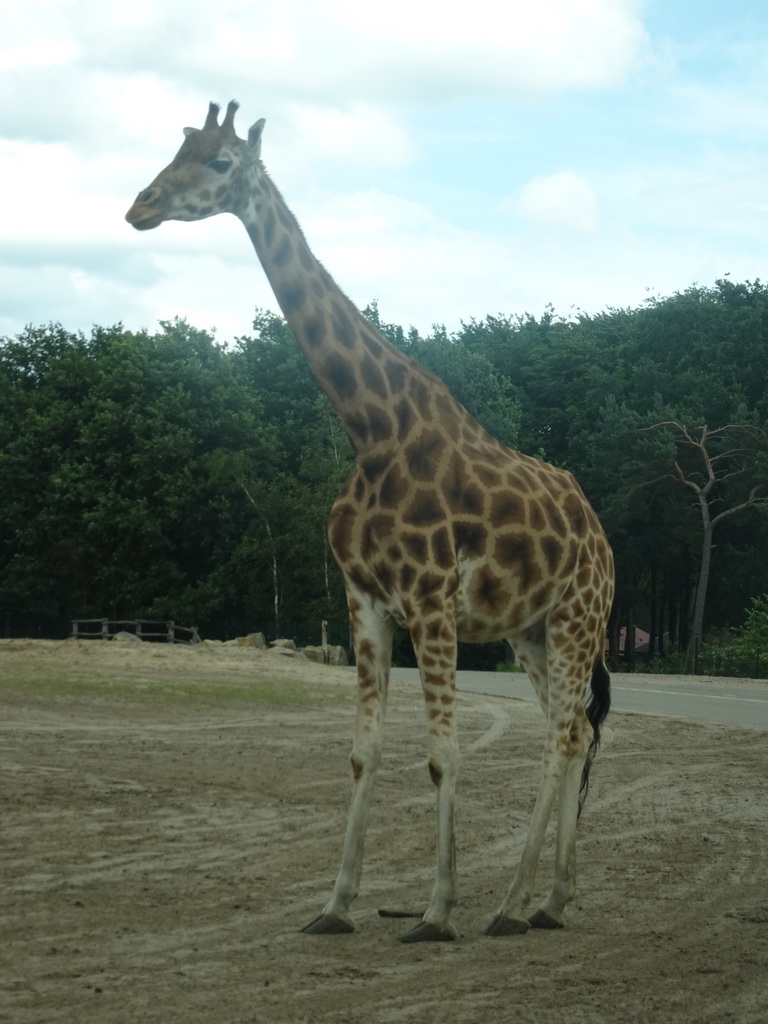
x=735 y=110
x=337 y=80
x=431 y=103
x=361 y=134
x=563 y=202
x=302 y=51
x=549 y=45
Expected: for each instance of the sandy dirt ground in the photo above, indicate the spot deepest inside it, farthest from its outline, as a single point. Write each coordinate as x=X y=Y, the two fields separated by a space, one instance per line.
x=172 y=816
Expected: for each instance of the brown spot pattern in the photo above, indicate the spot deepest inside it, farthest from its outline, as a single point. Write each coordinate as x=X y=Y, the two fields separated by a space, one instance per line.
x=507 y=509
x=315 y=329
x=285 y=217
x=515 y=551
x=573 y=506
x=407 y=577
x=340 y=375
x=553 y=550
x=375 y=465
x=305 y=256
x=270 y=224
x=379 y=423
x=406 y=417
x=385 y=575
x=416 y=547
x=343 y=326
x=373 y=344
x=442 y=549
x=373 y=379
x=470 y=539
x=428 y=593
x=283 y=252
x=423 y=454
x=487 y=476
x=419 y=392
x=291 y=296
x=536 y=518
x=424 y=510
x=357 y=427
x=396 y=373
x=394 y=488
x=554 y=515
x=489 y=591
x=340 y=528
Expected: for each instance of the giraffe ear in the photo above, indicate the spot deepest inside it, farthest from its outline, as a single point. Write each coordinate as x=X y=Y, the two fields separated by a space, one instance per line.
x=254 y=136
x=190 y=131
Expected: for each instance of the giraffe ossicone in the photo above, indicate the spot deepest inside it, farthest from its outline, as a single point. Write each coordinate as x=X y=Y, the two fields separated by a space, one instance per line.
x=440 y=529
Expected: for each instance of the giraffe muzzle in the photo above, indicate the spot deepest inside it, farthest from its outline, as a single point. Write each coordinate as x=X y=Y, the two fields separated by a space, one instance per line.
x=143 y=218
x=144 y=214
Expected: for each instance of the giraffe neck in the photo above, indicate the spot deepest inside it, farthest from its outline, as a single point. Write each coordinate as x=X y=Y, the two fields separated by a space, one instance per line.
x=361 y=372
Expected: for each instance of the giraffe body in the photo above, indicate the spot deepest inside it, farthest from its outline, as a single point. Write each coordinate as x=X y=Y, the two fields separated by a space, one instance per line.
x=440 y=529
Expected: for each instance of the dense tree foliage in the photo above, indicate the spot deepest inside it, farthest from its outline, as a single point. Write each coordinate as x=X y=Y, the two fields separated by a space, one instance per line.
x=589 y=388
x=166 y=475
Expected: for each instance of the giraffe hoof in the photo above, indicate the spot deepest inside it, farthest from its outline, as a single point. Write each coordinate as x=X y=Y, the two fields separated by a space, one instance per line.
x=428 y=932
x=329 y=924
x=401 y=913
x=541 y=919
x=503 y=925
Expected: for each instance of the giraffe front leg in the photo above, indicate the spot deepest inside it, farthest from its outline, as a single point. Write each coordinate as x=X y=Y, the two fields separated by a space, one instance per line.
x=335 y=918
x=373 y=643
x=437 y=663
x=435 y=925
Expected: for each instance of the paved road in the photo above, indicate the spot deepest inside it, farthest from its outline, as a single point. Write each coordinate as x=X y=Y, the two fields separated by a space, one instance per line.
x=739 y=702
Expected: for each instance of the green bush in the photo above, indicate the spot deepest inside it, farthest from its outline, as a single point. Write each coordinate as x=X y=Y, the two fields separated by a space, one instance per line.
x=716 y=659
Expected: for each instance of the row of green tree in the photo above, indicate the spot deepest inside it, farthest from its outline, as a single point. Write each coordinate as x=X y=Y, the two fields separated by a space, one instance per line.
x=166 y=475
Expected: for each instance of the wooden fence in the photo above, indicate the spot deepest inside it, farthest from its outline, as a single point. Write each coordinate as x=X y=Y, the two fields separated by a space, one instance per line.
x=144 y=629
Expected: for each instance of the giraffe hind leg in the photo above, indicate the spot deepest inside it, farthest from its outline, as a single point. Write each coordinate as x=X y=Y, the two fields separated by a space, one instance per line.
x=568 y=737
x=530 y=649
x=550 y=913
x=585 y=734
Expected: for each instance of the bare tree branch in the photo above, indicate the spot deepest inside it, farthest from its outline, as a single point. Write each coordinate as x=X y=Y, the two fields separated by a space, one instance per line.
x=753 y=499
x=717 y=468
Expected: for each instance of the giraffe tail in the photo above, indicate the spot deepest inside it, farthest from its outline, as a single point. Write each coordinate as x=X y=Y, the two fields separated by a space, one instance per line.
x=598 y=706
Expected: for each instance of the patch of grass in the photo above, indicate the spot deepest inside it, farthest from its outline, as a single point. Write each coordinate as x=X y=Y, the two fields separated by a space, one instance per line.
x=266 y=691
x=263 y=691
x=509 y=666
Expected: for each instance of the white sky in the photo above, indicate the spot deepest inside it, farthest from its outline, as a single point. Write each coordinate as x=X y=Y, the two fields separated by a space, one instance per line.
x=450 y=160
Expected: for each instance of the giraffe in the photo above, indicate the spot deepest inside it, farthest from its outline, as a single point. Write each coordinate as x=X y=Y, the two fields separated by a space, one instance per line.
x=440 y=529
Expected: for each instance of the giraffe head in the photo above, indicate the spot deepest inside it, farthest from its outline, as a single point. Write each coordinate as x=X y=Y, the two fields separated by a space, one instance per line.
x=206 y=177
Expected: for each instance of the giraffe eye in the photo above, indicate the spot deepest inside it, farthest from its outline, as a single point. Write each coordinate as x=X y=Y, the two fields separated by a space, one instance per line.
x=220 y=166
